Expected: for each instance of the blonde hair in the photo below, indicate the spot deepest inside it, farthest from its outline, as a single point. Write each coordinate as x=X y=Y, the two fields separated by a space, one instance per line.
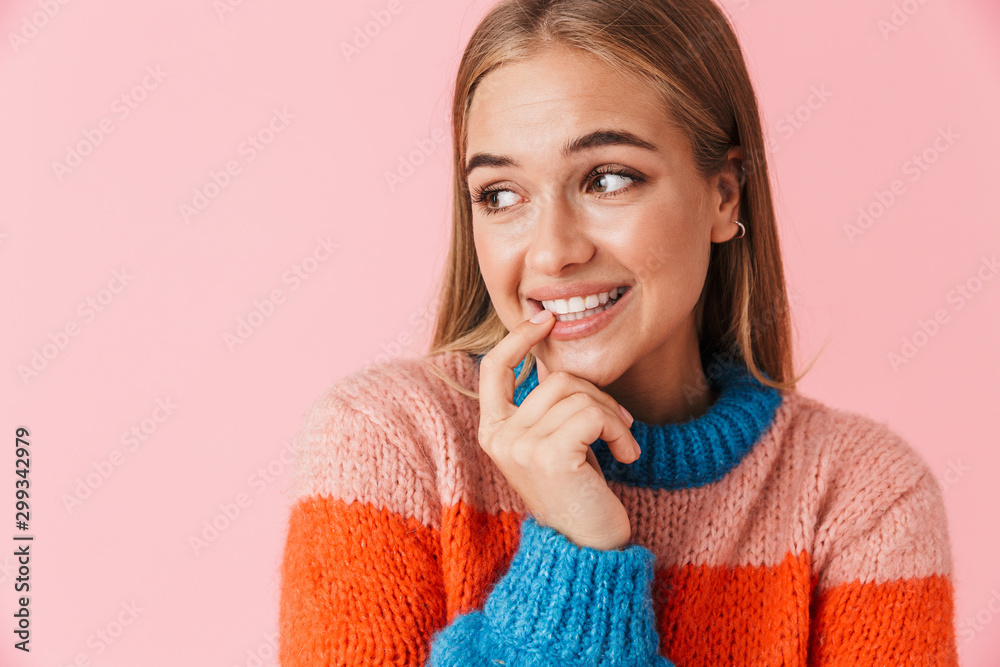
x=689 y=53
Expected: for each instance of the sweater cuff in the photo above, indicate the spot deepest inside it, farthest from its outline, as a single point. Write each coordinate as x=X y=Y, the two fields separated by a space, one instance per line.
x=573 y=602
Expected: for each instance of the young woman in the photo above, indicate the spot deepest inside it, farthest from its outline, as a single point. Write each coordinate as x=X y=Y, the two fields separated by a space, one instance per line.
x=603 y=459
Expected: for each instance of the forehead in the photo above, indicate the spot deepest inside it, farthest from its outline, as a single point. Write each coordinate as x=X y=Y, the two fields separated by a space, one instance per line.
x=556 y=94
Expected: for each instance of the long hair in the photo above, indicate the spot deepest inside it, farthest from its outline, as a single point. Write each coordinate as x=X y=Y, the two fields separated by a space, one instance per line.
x=688 y=52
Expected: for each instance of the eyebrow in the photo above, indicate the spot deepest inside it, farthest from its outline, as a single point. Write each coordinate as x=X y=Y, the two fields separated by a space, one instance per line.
x=586 y=142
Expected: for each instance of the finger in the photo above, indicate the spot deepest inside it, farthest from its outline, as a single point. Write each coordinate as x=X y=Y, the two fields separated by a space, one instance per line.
x=496 y=368
x=545 y=440
x=568 y=408
x=557 y=386
x=592 y=460
x=594 y=422
x=573 y=407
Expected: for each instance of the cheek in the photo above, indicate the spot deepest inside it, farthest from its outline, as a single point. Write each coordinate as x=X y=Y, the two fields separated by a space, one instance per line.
x=497 y=269
x=668 y=257
x=487 y=260
x=496 y=253
x=656 y=243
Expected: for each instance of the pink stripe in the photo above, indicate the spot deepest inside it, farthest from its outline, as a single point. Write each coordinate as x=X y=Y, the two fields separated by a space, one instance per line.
x=837 y=485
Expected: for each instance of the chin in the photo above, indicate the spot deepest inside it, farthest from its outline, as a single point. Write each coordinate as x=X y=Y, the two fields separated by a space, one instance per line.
x=599 y=375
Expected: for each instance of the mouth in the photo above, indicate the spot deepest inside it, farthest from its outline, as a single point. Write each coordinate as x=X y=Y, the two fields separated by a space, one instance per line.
x=589 y=321
x=579 y=308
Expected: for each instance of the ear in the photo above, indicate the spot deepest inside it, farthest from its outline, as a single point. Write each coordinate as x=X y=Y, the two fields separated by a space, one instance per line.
x=726 y=199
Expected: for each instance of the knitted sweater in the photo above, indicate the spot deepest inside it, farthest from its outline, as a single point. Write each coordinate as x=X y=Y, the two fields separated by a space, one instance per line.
x=770 y=530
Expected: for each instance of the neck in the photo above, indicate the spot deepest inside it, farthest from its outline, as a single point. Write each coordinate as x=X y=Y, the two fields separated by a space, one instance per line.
x=671 y=393
x=697 y=451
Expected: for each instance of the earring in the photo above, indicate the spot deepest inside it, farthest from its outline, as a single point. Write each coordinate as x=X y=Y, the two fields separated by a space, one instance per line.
x=743 y=230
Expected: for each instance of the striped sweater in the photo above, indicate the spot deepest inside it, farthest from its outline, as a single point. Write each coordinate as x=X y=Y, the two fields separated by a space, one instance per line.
x=770 y=530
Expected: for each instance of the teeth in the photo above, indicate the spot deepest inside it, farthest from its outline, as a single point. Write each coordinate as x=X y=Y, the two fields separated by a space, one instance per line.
x=579 y=306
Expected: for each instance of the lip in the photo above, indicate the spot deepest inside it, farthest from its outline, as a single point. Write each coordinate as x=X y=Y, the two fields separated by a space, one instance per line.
x=569 y=290
x=588 y=326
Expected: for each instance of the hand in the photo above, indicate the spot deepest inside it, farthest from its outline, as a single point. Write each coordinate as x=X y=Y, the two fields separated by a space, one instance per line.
x=543 y=446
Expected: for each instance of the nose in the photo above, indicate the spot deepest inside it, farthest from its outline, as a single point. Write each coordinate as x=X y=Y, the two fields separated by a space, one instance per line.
x=559 y=238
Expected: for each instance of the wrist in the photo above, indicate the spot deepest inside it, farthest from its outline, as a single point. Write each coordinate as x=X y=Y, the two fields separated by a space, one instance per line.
x=599 y=544
x=616 y=539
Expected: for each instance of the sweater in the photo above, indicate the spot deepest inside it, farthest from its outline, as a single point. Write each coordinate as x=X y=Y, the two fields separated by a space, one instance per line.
x=770 y=530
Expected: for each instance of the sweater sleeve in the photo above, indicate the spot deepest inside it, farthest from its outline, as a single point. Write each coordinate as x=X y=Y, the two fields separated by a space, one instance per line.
x=361 y=582
x=560 y=604
x=884 y=595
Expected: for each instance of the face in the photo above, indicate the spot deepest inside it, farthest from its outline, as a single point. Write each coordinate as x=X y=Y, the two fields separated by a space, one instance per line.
x=622 y=208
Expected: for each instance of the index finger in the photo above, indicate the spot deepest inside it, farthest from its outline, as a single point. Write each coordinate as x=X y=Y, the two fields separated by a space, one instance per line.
x=496 y=369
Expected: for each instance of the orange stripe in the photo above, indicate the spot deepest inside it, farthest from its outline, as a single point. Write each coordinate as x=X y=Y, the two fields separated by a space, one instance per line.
x=358 y=586
x=359 y=581
x=910 y=620
x=478 y=549
x=734 y=616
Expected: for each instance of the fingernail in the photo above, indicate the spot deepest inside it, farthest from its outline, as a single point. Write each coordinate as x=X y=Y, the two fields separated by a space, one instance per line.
x=625 y=413
x=541 y=316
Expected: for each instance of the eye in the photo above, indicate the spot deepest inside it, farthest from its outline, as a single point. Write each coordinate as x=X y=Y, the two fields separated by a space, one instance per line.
x=607 y=180
x=500 y=196
x=492 y=200
x=611 y=182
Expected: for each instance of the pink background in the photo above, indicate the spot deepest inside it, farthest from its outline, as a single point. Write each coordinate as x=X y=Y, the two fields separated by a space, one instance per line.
x=184 y=284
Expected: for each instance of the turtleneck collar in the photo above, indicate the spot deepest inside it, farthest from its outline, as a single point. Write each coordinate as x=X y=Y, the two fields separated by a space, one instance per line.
x=696 y=452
